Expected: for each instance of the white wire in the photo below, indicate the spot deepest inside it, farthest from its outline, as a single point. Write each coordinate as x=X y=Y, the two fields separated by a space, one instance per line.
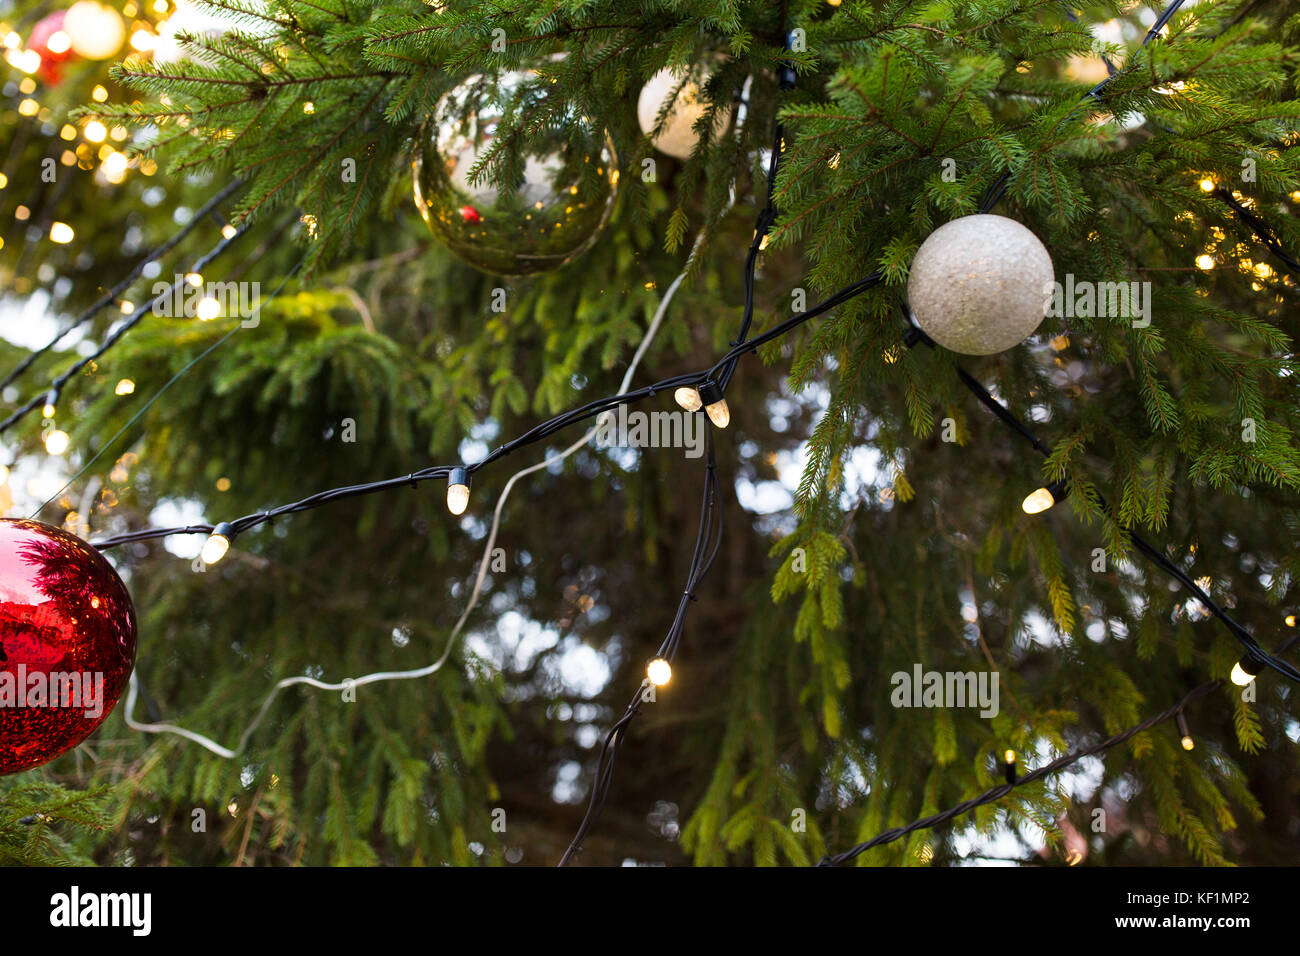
x=216 y=748
x=651 y=331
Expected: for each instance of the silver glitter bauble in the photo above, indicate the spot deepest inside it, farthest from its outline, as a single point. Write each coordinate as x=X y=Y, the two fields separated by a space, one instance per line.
x=980 y=284
x=560 y=193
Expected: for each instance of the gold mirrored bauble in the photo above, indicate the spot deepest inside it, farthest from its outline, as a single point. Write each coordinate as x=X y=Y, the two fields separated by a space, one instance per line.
x=555 y=199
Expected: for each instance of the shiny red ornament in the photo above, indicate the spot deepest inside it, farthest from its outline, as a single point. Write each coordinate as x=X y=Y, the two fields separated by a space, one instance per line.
x=470 y=214
x=44 y=29
x=67 y=642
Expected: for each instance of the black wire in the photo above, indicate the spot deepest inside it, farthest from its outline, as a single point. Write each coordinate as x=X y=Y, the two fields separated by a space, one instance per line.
x=994 y=794
x=57 y=385
x=1144 y=547
x=999 y=187
x=111 y=295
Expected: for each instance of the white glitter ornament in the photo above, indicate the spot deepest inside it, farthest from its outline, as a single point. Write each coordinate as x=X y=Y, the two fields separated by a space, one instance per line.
x=677 y=137
x=980 y=284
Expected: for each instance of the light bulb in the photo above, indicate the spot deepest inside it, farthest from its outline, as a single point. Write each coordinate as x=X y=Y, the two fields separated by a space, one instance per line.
x=124 y=387
x=228 y=231
x=715 y=406
x=719 y=413
x=49 y=410
x=1244 y=671
x=61 y=233
x=458 y=491
x=659 y=672
x=1009 y=766
x=56 y=442
x=688 y=398
x=208 y=308
x=1290 y=620
x=218 y=543
x=1037 y=502
x=1040 y=500
x=1009 y=757
x=195 y=279
x=1207 y=185
x=1188 y=743
x=1186 y=734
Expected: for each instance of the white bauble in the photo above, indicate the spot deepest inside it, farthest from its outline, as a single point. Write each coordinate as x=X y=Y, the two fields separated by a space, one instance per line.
x=97 y=32
x=980 y=284
x=677 y=138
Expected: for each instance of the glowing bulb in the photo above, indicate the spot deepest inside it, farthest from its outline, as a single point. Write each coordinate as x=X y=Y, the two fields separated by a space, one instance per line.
x=1205 y=263
x=59 y=42
x=48 y=411
x=1244 y=671
x=124 y=387
x=96 y=31
x=688 y=398
x=114 y=167
x=56 y=442
x=127 y=307
x=194 y=279
x=1188 y=743
x=1037 y=502
x=95 y=131
x=659 y=672
x=719 y=413
x=99 y=93
x=29 y=107
x=228 y=231
x=215 y=548
x=458 y=491
x=142 y=40
x=1290 y=620
x=1207 y=185
x=207 y=309
x=309 y=107
x=1009 y=757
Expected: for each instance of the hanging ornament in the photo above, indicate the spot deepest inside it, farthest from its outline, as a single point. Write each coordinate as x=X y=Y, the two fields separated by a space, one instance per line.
x=678 y=136
x=49 y=39
x=96 y=32
x=980 y=284
x=562 y=191
x=67 y=642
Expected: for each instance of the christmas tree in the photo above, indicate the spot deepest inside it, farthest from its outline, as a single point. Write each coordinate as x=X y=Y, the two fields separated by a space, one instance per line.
x=405 y=285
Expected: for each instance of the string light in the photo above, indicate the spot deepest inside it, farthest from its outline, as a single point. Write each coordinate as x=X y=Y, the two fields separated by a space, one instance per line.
x=1044 y=498
x=1245 y=670
x=659 y=672
x=715 y=406
x=124 y=387
x=1009 y=766
x=207 y=309
x=1184 y=733
x=457 y=491
x=688 y=398
x=51 y=404
x=56 y=442
x=61 y=233
x=218 y=543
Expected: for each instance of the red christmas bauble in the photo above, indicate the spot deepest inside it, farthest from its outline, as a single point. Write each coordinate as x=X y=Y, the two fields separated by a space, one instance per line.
x=67 y=642
x=39 y=41
x=470 y=214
